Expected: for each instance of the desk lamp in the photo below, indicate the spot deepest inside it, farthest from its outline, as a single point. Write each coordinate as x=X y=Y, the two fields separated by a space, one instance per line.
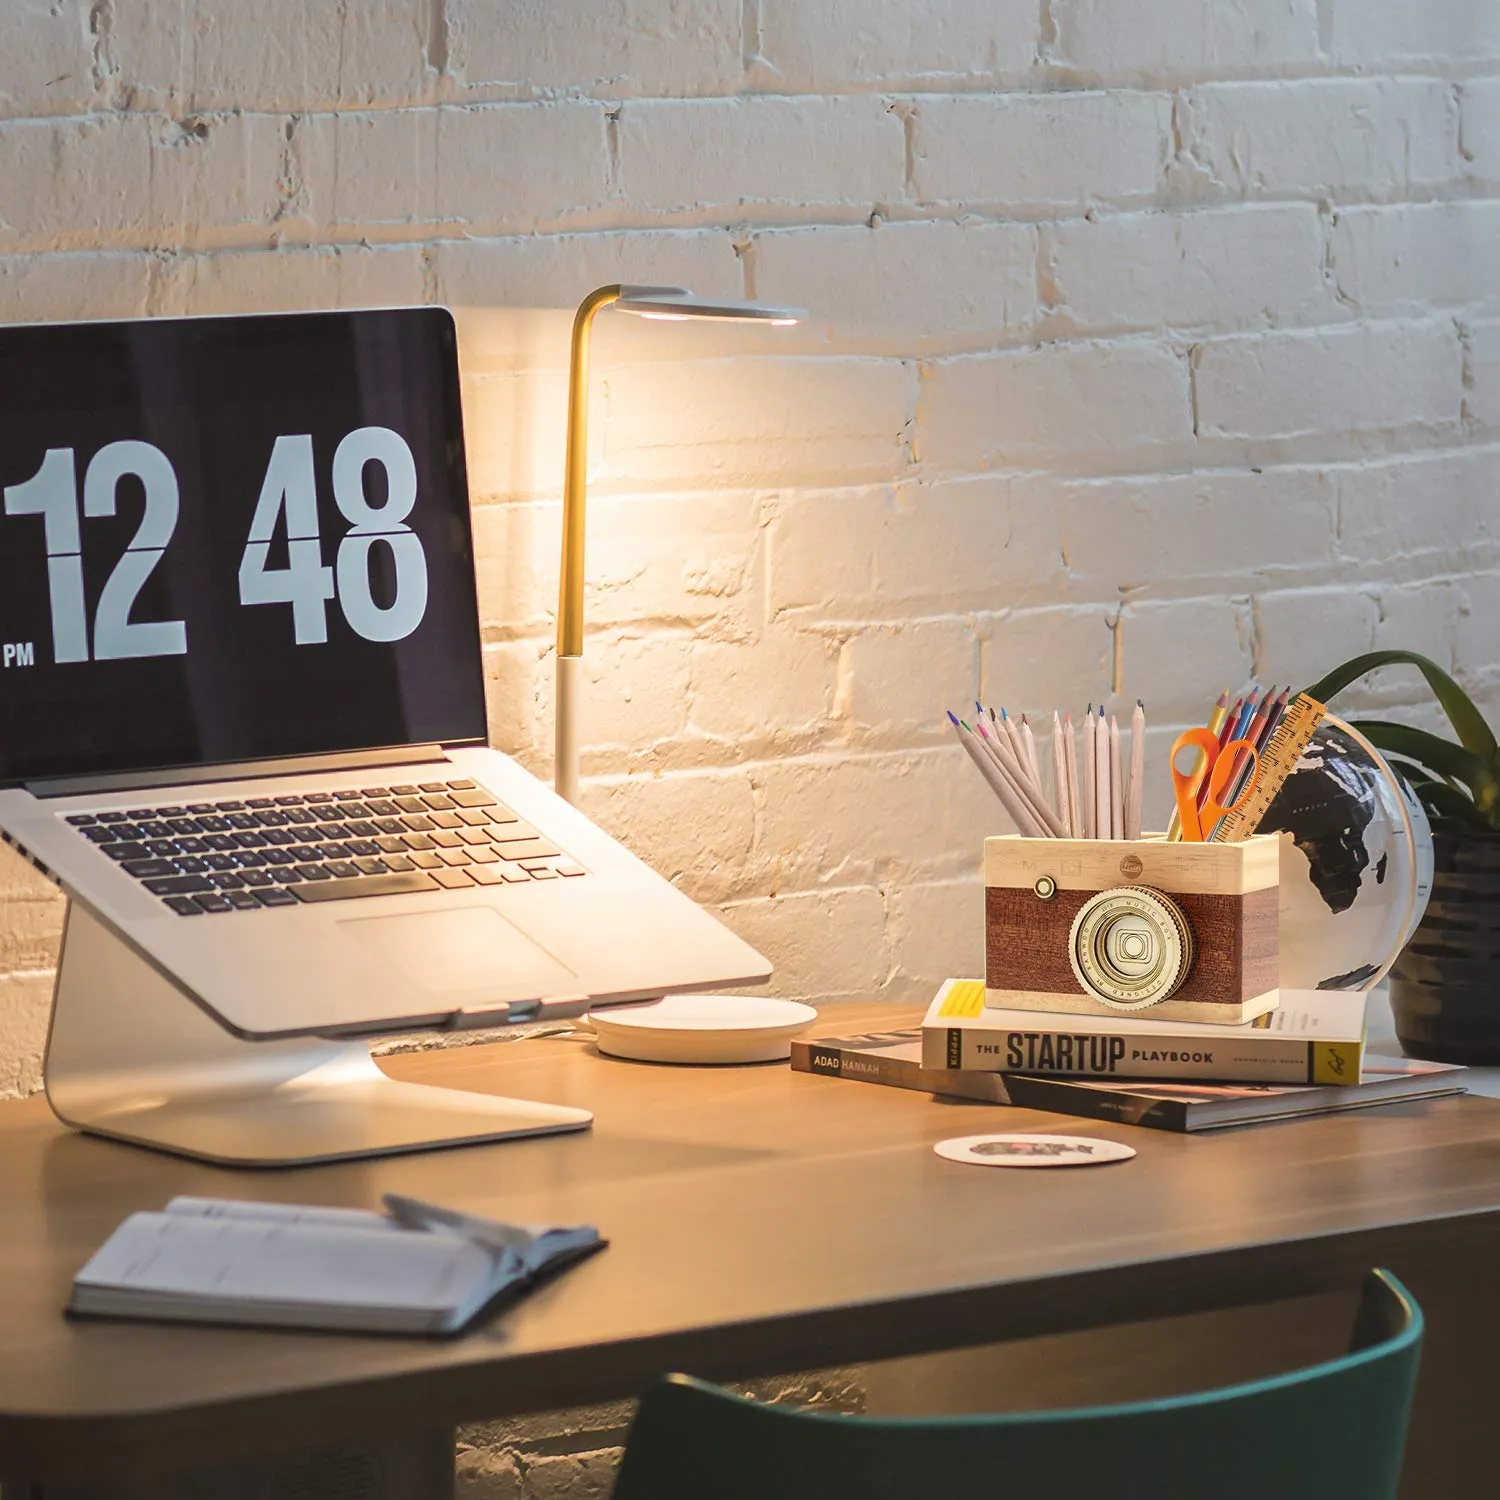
x=668 y=304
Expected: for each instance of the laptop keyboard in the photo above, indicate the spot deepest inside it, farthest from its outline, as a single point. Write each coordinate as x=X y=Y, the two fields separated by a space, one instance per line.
x=207 y=858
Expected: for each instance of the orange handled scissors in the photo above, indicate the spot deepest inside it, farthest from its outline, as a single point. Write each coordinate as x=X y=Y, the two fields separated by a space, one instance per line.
x=1200 y=793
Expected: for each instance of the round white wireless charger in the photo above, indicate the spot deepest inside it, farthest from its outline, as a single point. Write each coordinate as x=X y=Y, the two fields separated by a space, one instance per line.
x=702 y=1029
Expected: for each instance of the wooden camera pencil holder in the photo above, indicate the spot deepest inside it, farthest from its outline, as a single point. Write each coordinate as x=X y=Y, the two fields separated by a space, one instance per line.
x=1144 y=927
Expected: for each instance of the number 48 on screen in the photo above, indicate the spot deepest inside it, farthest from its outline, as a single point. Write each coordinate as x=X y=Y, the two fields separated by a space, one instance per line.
x=288 y=490
x=306 y=583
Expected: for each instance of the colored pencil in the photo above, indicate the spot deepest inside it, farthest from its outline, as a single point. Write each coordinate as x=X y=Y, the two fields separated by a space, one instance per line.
x=1033 y=762
x=996 y=749
x=1013 y=735
x=1278 y=713
x=1060 y=776
x=1135 y=788
x=1256 y=732
x=1226 y=729
x=1090 y=781
x=1239 y=714
x=1252 y=723
x=1010 y=799
x=1016 y=773
x=999 y=740
x=1116 y=783
x=1247 y=713
x=1070 y=758
x=1103 y=819
x=1272 y=708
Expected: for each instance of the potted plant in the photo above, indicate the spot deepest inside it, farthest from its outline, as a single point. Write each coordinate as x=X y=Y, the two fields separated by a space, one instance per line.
x=1445 y=987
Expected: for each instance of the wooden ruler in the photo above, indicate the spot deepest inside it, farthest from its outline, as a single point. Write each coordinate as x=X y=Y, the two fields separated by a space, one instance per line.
x=1278 y=759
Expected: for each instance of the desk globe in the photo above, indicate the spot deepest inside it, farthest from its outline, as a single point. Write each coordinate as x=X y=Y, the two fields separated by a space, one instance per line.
x=1356 y=862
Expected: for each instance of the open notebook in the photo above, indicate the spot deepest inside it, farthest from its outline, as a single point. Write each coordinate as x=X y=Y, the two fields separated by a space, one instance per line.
x=415 y=1269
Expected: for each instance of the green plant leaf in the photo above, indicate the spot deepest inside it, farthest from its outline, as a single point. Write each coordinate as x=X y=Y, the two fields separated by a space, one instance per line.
x=1446 y=805
x=1468 y=723
x=1418 y=776
x=1440 y=756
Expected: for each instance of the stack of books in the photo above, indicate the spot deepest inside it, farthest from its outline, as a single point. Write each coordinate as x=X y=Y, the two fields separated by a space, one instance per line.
x=1306 y=1057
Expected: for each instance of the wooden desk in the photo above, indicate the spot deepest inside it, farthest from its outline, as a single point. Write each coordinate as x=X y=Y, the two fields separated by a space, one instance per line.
x=761 y=1221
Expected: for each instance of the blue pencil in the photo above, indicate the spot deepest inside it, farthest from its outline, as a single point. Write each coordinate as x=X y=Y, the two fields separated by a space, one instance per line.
x=1246 y=714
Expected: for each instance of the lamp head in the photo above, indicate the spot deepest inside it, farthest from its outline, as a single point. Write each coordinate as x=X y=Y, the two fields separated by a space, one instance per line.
x=676 y=304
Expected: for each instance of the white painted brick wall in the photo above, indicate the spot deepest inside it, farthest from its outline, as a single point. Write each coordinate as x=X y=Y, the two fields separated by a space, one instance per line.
x=1372 y=377
x=900 y=287
x=30 y=927
x=1021 y=409
x=1482 y=399
x=1292 y=539
x=1380 y=33
x=833 y=45
x=532 y=48
x=1153 y=313
x=1039 y=152
x=1479 y=129
x=194 y=55
x=1169 y=38
x=700 y=158
x=914 y=550
x=57 y=74
x=1386 y=137
x=547 y=270
x=1215 y=268
x=756 y=421
x=1411 y=257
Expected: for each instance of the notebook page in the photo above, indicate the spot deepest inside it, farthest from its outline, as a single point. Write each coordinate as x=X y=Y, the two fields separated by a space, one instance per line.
x=282 y=1213
x=414 y=1213
x=535 y=1245
x=237 y=1261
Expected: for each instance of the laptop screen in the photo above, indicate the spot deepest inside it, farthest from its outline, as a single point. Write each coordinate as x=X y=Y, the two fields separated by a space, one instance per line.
x=229 y=539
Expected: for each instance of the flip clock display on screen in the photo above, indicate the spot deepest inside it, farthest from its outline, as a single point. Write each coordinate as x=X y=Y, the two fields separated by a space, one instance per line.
x=1177 y=931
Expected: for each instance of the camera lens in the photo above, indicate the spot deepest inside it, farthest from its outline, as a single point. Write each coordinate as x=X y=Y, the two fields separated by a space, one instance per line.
x=1131 y=947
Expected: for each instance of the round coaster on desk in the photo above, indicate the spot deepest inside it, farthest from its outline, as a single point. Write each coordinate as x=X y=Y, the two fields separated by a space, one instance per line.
x=702 y=1029
x=1032 y=1150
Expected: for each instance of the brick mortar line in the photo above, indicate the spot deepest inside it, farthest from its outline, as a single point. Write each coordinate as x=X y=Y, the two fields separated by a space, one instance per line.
x=291 y=235
x=844 y=629
x=1476 y=448
x=1378 y=446
x=947 y=213
x=1002 y=84
x=1168 y=338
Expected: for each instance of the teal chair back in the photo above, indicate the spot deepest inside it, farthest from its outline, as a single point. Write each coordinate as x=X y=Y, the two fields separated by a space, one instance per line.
x=1330 y=1432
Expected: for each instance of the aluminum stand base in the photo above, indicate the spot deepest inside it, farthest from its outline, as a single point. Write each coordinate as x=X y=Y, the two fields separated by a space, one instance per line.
x=133 y=1057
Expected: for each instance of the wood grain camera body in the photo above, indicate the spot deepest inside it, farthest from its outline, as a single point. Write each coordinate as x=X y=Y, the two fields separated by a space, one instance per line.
x=1228 y=893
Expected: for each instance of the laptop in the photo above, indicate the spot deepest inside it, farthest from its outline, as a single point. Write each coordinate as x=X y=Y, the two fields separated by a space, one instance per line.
x=242 y=688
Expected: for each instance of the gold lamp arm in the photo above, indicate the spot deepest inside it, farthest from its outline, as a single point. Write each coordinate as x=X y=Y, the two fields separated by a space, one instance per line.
x=575 y=475
x=571 y=583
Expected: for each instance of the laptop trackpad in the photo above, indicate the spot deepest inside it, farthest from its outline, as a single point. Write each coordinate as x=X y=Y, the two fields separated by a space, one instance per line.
x=464 y=948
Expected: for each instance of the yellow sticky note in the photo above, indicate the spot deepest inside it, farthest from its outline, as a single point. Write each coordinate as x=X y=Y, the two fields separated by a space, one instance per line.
x=1336 y=1062
x=965 y=997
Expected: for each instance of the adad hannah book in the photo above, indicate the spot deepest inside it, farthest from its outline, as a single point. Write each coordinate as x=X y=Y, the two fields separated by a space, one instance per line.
x=894 y=1058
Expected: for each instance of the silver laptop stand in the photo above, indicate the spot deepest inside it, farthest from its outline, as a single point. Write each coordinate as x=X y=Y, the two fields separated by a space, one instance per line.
x=132 y=1056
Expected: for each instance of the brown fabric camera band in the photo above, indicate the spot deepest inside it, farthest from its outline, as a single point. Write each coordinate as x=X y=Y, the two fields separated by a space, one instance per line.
x=1026 y=943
